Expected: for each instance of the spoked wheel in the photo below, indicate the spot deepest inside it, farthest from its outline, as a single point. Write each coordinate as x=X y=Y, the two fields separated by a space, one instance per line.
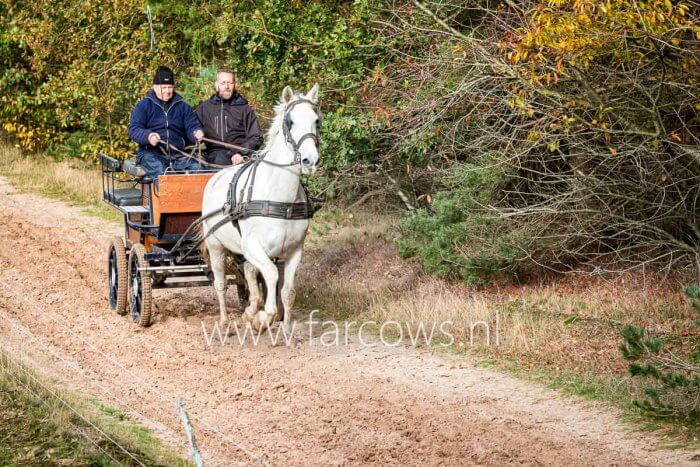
x=117 y=276
x=139 y=287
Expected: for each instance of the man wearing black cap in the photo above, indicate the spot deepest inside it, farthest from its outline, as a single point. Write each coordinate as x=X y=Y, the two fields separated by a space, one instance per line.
x=160 y=121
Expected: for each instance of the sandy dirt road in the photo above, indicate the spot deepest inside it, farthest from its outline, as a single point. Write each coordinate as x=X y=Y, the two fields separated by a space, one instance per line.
x=299 y=405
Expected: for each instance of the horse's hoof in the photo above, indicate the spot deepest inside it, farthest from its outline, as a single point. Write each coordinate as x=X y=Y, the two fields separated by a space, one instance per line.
x=257 y=324
x=270 y=318
x=263 y=320
x=223 y=324
x=249 y=315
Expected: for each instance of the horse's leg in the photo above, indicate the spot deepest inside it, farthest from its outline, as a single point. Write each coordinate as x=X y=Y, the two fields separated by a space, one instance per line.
x=288 y=291
x=254 y=252
x=251 y=277
x=217 y=259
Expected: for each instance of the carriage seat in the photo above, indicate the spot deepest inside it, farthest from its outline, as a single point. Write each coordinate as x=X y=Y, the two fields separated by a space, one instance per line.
x=132 y=168
x=126 y=197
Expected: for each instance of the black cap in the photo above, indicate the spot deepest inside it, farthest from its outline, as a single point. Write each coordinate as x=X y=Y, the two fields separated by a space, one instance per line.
x=164 y=75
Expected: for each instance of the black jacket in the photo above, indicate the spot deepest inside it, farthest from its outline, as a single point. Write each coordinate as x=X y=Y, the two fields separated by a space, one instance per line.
x=231 y=121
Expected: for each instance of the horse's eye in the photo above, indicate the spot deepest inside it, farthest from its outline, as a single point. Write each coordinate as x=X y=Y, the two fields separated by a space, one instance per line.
x=317 y=121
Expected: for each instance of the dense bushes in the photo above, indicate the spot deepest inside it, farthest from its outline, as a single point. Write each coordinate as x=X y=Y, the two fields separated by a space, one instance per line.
x=72 y=72
x=452 y=238
x=560 y=133
x=589 y=112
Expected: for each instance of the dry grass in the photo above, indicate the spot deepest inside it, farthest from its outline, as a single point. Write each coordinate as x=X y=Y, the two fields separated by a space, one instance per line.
x=39 y=425
x=73 y=181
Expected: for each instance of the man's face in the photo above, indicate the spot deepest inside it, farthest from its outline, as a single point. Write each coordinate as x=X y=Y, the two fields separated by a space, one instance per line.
x=164 y=92
x=225 y=85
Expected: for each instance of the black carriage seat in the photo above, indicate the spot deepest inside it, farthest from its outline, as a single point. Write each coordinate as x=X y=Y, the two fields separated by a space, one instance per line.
x=126 y=197
x=121 y=196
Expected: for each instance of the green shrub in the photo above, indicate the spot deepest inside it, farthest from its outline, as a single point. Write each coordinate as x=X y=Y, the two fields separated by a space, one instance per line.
x=455 y=237
x=674 y=393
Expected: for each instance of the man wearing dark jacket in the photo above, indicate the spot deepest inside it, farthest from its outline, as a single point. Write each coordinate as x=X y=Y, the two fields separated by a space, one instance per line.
x=228 y=118
x=160 y=120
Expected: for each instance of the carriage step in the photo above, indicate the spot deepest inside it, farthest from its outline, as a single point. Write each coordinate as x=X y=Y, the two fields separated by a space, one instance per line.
x=133 y=209
x=188 y=268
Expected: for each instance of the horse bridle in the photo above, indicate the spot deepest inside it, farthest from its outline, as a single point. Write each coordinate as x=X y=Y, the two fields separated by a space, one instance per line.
x=287 y=129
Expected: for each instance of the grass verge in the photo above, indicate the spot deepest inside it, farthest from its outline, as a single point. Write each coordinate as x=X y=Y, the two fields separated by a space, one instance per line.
x=40 y=425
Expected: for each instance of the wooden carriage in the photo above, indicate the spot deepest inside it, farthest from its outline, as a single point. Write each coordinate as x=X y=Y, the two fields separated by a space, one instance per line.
x=158 y=250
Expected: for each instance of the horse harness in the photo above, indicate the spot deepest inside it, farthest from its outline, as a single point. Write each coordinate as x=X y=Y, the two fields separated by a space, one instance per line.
x=233 y=210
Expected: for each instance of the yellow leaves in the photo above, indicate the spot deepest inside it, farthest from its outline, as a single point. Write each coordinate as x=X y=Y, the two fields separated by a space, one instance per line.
x=516 y=102
x=560 y=65
x=580 y=32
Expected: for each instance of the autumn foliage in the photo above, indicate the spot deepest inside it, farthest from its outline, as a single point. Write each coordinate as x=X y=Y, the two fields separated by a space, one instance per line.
x=521 y=135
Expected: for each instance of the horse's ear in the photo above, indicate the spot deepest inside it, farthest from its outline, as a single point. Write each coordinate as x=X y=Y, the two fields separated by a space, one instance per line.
x=313 y=94
x=287 y=95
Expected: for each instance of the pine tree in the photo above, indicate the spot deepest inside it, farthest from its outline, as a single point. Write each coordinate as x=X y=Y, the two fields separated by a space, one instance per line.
x=674 y=390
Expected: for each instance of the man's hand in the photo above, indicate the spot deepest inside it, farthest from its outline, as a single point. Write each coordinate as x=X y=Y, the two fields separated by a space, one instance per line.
x=154 y=139
x=237 y=159
x=198 y=135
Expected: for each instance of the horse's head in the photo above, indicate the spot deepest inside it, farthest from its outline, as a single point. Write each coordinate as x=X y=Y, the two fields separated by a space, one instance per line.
x=301 y=126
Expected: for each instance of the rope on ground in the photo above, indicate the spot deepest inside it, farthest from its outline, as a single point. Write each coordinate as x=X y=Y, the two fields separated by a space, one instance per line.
x=189 y=431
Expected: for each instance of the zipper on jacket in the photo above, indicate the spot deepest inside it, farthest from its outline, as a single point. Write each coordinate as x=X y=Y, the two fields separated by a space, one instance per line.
x=167 y=131
x=167 y=123
x=221 y=120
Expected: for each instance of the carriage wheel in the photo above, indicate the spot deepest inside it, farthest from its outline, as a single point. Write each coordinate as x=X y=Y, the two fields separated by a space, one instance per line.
x=139 y=287
x=117 y=276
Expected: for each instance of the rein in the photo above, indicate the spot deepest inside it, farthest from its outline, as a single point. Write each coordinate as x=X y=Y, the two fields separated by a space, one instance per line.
x=233 y=210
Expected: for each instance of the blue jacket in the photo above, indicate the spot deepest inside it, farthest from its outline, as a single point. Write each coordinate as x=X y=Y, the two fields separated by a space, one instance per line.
x=176 y=125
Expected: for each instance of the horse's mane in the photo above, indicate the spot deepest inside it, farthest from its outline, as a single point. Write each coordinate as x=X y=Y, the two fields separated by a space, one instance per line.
x=276 y=125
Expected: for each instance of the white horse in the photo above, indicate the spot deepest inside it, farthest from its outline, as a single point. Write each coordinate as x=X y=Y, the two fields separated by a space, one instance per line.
x=291 y=147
